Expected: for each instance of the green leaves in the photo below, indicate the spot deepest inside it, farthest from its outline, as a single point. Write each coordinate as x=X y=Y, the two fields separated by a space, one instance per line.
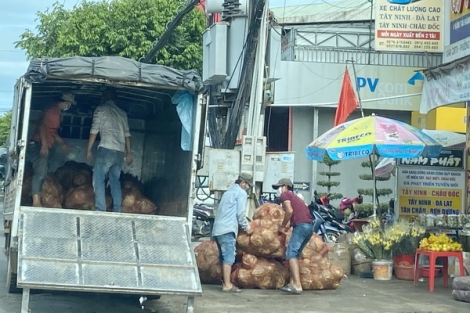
x=127 y=28
x=5 y=122
x=329 y=183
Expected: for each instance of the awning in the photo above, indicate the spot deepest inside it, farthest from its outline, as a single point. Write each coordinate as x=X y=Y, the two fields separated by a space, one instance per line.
x=446 y=84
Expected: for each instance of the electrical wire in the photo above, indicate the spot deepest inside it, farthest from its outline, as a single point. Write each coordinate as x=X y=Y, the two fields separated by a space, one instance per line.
x=171 y=26
x=341 y=8
x=214 y=134
x=246 y=77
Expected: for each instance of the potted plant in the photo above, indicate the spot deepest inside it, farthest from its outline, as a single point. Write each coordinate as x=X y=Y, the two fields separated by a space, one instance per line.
x=374 y=243
x=405 y=238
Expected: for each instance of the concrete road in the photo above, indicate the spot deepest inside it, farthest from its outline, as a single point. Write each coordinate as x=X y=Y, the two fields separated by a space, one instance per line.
x=354 y=295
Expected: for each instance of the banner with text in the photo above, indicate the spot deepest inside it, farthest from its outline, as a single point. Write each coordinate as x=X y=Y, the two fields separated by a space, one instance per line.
x=413 y=26
x=457 y=30
x=446 y=84
x=430 y=191
x=447 y=158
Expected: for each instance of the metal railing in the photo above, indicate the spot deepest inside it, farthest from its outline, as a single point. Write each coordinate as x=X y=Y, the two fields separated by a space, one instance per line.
x=392 y=58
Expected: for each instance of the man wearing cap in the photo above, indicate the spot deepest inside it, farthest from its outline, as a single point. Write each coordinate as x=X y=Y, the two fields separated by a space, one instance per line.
x=231 y=213
x=111 y=123
x=44 y=138
x=300 y=218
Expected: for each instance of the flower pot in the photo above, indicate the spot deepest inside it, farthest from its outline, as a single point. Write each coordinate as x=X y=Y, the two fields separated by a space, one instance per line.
x=382 y=269
x=404 y=260
x=404 y=272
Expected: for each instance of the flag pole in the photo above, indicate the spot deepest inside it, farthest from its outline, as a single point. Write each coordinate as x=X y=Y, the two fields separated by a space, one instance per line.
x=357 y=86
x=372 y=165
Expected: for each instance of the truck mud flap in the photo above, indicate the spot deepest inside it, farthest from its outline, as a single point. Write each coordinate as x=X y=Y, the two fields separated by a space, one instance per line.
x=91 y=251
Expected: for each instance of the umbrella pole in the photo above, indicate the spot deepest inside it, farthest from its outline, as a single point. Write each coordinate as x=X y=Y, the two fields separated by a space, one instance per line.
x=374 y=182
x=373 y=153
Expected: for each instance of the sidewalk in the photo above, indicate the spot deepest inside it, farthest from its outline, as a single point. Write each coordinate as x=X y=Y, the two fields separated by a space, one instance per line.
x=354 y=295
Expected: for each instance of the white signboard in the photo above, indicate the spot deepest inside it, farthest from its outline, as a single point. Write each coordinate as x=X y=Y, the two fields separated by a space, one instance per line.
x=424 y=190
x=408 y=25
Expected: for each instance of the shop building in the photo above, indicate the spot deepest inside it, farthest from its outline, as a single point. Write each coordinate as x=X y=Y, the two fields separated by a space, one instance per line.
x=308 y=53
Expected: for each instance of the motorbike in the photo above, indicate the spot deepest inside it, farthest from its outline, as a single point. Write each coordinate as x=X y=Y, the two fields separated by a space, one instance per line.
x=336 y=219
x=203 y=221
x=329 y=233
x=341 y=219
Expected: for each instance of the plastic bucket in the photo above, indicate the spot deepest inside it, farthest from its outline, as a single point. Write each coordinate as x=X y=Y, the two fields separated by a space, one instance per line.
x=382 y=269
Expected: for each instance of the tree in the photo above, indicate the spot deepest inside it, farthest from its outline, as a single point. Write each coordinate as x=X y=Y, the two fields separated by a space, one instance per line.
x=127 y=28
x=380 y=192
x=329 y=183
x=5 y=122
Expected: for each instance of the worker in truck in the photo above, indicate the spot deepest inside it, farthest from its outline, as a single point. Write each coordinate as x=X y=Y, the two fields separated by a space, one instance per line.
x=231 y=213
x=298 y=214
x=45 y=136
x=111 y=123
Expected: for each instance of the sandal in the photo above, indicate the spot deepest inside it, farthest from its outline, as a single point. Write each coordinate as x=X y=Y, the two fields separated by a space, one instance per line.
x=232 y=290
x=289 y=288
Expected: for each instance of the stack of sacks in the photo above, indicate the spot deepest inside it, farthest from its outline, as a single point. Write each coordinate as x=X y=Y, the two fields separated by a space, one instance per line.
x=133 y=200
x=316 y=271
x=461 y=287
x=208 y=264
x=52 y=192
x=258 y=272
x=265 y=241
x=71 y=187
x=263 y=252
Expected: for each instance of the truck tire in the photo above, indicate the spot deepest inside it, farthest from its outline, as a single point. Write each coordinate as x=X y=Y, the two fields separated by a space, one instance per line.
x=12 y=288
x=12 y=278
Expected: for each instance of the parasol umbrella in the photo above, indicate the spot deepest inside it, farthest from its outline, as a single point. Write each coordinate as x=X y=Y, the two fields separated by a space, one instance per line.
x=446 y=139
x=373 y=135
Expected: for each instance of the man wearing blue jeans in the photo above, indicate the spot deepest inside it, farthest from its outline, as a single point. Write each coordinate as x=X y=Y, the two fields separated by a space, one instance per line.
x=300 y=218
x=231 y=213
x=111 y=123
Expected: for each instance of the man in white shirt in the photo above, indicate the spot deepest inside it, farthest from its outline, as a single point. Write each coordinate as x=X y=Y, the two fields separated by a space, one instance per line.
x=111 y=123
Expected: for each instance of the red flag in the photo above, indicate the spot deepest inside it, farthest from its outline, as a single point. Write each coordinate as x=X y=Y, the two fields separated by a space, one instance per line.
x=347 y=100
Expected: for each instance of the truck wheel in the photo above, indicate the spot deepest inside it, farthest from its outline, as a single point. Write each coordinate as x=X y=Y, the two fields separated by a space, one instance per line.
x=12 y=278
x=12 y=284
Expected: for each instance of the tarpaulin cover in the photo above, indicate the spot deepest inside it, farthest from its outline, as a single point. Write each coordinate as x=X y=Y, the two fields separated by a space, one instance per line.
x=113 y=68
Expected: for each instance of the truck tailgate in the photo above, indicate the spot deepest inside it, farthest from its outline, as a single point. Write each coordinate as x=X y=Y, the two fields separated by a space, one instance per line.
x=105 y=252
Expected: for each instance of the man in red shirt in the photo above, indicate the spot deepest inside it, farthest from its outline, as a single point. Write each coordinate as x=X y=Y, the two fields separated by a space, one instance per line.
x=45 y=136
x=300 y=218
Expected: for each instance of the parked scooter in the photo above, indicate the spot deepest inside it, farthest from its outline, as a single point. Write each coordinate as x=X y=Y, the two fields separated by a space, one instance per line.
x=203 y=221
x=335 y=218
x=324 y=229
x=338 y=218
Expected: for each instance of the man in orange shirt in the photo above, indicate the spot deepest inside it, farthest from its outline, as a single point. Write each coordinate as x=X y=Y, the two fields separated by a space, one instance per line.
x=45 y=136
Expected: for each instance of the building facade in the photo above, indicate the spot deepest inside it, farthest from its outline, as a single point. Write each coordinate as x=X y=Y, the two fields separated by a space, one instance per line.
x=307 y=59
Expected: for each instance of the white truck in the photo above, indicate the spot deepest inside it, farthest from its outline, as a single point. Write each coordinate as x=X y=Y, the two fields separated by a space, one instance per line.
x=92 y=251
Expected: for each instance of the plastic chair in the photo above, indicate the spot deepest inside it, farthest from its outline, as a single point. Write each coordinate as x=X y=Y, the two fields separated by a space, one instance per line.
x=432 y=265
